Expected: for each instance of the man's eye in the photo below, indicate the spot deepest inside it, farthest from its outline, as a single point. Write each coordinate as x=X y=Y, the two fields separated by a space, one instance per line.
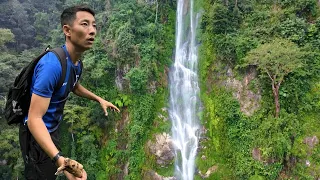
x=94 y=25
x=84 y=24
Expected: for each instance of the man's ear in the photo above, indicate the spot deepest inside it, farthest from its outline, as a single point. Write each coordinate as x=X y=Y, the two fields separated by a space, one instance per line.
x=66 y=30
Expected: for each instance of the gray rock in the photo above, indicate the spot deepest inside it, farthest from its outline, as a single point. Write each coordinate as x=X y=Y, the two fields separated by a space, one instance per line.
x=249 y=100
x=256 y=154
x=311 y=141
x=152 y=175
x=162 y=149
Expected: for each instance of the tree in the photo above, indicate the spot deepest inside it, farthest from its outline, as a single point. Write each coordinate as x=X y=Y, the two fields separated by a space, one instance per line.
x=10 y=155
x=5 y=36
x=276 y=59
x=15 y=17
x=5 y=70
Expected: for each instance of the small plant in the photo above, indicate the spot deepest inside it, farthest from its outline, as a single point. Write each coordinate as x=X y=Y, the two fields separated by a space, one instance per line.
x=122 y=100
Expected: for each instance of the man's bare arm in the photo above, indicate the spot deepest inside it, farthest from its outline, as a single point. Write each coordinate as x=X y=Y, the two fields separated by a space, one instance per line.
x=38 y=107
x=81 y=91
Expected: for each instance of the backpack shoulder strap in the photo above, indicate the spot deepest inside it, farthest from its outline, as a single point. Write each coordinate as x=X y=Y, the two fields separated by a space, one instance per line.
x=81 y=66
x=59 y=52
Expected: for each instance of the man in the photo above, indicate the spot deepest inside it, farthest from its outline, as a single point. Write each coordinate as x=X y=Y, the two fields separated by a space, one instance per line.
x=40 y=149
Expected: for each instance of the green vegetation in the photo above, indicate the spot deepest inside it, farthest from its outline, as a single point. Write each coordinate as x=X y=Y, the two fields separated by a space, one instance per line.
x=277 y=59
x=134 y=45
x=279 y=40
x=128 y=66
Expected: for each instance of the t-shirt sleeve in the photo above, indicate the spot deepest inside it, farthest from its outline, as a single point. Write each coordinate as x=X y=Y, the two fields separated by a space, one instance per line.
x=47 y=74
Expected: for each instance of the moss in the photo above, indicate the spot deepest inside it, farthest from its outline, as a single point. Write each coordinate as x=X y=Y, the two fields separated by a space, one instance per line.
x=167 y=171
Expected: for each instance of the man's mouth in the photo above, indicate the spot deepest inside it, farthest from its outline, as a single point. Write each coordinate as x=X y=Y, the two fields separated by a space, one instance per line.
x=91 y=39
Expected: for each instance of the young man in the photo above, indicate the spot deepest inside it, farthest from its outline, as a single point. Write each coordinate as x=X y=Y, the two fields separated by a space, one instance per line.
x=40 y=149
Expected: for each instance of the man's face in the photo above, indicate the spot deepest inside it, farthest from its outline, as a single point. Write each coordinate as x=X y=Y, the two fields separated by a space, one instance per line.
x=83 y=31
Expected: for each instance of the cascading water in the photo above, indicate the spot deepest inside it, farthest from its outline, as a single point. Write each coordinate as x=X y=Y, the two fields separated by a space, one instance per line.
x=184 y=92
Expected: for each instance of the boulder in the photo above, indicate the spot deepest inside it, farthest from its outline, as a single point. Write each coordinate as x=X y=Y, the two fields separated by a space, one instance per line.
x=152 y=175
x=209 y=172
x=249 y=99
x=162 y=149
x=311 y=141
x=256 y=154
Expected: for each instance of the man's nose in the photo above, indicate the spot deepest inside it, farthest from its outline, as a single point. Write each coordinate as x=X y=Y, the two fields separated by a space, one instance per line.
x=93 y=31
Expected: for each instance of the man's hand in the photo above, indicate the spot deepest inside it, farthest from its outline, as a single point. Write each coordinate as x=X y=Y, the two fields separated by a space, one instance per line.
x=83 y=92
x=71 y=168
x=72 y=177
x=105 y=105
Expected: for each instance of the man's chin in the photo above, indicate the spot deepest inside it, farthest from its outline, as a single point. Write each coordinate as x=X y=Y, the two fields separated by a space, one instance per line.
x=87 y=47
x=84 y=47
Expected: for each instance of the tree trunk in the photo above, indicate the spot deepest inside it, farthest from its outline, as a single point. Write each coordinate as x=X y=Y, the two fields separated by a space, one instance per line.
x=108 y=6
x=155 y=21
x=275 y=90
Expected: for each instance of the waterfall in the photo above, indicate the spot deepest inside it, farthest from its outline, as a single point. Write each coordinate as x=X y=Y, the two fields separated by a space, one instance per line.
x=184 y=103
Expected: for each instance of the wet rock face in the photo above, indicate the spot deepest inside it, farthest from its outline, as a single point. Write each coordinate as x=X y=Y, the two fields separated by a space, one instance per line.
x=249 y=100
x=256 y=154
x=162 y=148
x=311 y=141
x=120 y=81
x=152 y=175
x=210 y=171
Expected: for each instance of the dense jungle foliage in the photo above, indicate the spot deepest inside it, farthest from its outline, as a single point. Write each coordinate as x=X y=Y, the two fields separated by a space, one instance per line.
x=127 y=67
x=270 y=48
x=279 y=40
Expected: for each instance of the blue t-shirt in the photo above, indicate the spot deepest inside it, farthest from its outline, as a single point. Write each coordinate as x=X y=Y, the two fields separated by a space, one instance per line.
x=46 y=77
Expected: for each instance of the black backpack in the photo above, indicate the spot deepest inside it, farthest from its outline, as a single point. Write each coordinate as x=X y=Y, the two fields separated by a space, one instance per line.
x=18 y=97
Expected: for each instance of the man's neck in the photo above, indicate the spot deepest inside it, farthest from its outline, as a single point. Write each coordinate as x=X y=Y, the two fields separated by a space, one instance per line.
x=74 y=53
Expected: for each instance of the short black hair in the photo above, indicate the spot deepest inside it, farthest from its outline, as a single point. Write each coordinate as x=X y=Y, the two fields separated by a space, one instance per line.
x=69 y=14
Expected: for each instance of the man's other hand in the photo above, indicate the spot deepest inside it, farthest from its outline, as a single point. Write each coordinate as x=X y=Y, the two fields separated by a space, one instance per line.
x=72 y=177
x=106 y=104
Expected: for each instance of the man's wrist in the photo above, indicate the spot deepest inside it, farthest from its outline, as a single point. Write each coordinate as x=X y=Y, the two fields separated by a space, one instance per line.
x=56 y=157
x=60 y=161
x=99 y=99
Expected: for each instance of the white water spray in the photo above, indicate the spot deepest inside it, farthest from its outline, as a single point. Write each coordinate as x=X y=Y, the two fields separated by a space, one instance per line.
x=184 y=92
